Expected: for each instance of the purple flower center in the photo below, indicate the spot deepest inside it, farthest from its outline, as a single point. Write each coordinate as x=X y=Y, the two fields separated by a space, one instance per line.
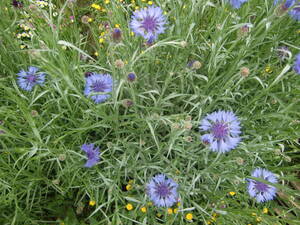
x=162 y=190
x=149 y=24
x=261 y=187
x=219 y=130
x=91 y=154
x=99 y=86
x=31 y=78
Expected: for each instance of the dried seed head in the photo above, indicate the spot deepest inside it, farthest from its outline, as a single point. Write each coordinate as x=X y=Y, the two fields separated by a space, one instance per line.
x=119 y=63
x=127 y=103
x=183 y=44
x=245 y=71
x=62 y=157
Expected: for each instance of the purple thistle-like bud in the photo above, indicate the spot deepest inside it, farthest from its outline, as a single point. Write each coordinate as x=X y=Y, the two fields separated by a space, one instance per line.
x=131 y=77
x=116 y=34
x=17 y=4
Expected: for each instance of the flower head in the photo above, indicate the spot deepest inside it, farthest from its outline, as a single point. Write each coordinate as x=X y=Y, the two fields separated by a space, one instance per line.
x=259 y=190
x=295 y=12
x=283 y=53
x=93 y=154
x=286 y=4
x=148 y=23
x=297 y=64
x=97 y=86
x=131 y=77
x=17 y=4
x=28 y=79
x=237 y=3
x=162 y=191
x=116 y=34
x=223 y=131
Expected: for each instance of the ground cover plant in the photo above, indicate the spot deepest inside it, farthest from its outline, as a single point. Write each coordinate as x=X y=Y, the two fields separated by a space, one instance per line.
x=149 y=112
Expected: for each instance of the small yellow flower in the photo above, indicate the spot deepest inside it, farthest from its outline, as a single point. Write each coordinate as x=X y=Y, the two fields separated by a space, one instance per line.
x=102 y=34
x=175 y=210
x=150 y=2
x=144 y=209
x=101 y=40
x=130 y=182
x=208 y=222
x=189 y=216
x=96 y=6
x=254 y=214
x=213 y=219
x=136 y=8
x=117 y=25
x=215 y=214
x=131 y=33
x=178 y=204
x=92 y=203
x=128 y=187
x=22 y=46
x=90 y=19
x=165 y=13
x=170 y=211
x=265 y=210
x=106 y=1
x=184 y=6
x=232 y=193
x=129 y=207
x=103 y=10
x=258 y=219
x=96 y=53
x=268 y=69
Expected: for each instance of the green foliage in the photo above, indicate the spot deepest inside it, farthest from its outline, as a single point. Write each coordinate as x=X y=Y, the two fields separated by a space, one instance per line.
x=42 y=178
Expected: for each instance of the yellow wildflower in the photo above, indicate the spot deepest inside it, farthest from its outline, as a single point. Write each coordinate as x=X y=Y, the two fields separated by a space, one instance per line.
x=101 y=40
x=129 y=207
x=96 y=6
x=144 y=209
x=170 y=211
x=265 y=210
x=92 y=203
x=128 y=187
x=232 y=193
x=189 y=216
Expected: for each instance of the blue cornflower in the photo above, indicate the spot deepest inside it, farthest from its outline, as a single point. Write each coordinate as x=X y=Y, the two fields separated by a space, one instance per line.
x=148 y=23
x=223 y=131
x=97 y=86
x=237 y=3
x=259 y=190
x=297 y=64
x=92 y=153
x=28 y=79
x=162 y=191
